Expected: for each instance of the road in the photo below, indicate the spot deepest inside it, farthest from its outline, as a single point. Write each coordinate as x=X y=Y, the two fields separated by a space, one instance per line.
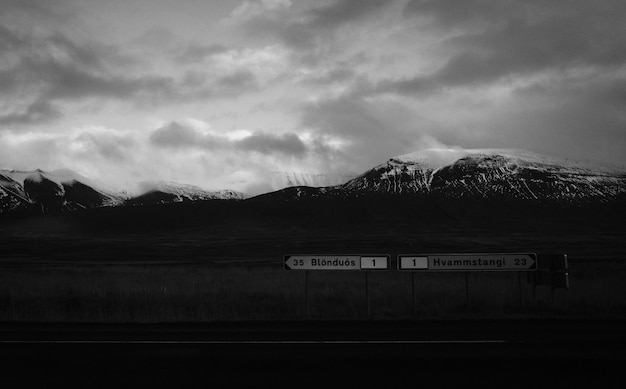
x=507 y=354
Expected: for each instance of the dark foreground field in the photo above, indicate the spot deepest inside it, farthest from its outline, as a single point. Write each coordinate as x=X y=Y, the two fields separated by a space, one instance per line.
x=223 y=261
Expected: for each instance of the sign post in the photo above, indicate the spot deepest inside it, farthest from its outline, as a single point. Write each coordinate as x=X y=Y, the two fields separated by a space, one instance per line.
x=467 y=263
x=309 y=263
x=367 y=296
x=306 y=294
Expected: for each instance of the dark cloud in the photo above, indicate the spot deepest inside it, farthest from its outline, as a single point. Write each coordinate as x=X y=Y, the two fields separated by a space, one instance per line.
x=449 y=13
x=371 y=131
x=9 y=81
x=57 y=46
x=293 y=34
x=345 y=117
x=177 y=135
x=419 y=86
x=69 y=81
x=201 y=84
x=37 y=112
x=459 y=15
x=181 y=136
x=341 y=12
x=9 y=41
x=521 y=44
x=236 y=82
x=157 y=38
x=592 y=97
x=573 y=114
x=198 y=53
x=331 y=76
x=583 y=118
x=109 y=146
x=48 y=82
x=37 y=10
x=55 y=69
x=521 y=47
x=312 y=27
x=288 y=144
x=89 y=56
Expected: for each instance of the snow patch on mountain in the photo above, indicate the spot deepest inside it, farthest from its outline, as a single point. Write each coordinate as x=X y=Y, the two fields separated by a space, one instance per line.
x=184 y=192
x=67 y=177
x=491 y=173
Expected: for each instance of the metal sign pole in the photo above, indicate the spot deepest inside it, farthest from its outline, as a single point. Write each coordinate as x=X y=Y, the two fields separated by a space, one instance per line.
x=367 y=295
x=467 y=294
x=519 y=287
x=413 y=298
x=306 y=294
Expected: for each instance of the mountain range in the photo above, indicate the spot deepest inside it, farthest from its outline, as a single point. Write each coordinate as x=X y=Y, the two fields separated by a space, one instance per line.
x=65 y=190
x=457 y=174
x=485 y=174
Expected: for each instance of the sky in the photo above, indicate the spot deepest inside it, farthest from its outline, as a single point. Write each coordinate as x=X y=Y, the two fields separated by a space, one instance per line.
x=225 y=94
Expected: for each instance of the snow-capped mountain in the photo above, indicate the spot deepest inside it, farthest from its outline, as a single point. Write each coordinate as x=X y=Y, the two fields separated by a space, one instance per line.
x=155 y=192
x=12 y=194
x=65 y=190
x=52 y=191
x=492 y=174
x=481 y=174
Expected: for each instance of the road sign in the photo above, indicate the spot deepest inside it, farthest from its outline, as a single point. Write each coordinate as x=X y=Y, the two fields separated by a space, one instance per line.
x=468 y=262
x=337 y=262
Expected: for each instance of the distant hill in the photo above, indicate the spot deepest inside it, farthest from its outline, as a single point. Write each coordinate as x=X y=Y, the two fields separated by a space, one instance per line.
x=160 y=192
x=39 y=191
x=60 y=190
x=479 y=174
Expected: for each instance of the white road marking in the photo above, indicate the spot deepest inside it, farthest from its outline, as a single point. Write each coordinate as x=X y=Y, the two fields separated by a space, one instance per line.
x=252 y=341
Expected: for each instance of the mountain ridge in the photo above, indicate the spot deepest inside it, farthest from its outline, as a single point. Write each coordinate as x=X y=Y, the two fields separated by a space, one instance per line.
x=64 y=190
x=498 y=174
x=452 y=174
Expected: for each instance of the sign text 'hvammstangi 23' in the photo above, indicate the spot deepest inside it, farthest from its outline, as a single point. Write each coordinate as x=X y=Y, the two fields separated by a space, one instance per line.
x=468 y=262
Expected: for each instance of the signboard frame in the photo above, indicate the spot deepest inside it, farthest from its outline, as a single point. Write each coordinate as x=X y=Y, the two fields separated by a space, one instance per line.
x=533 y=268
x=286 y=257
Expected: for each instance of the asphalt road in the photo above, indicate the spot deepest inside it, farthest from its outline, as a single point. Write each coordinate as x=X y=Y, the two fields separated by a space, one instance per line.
x=506 y=354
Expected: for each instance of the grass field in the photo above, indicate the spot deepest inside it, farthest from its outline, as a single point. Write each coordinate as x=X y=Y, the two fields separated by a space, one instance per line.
x=135 y=280
x=222 y=263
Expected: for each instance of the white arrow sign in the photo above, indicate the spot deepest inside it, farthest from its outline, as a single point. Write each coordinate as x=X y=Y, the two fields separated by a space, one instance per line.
x=469 y=262
x=336 y=262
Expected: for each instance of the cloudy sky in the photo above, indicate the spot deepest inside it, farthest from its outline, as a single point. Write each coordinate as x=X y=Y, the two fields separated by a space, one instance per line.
x=223 y=93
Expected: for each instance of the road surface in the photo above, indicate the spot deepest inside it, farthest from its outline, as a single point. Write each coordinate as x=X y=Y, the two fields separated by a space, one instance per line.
x=505 y=354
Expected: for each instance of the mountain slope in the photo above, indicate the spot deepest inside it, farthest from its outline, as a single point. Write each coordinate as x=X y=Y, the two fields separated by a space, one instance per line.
x=167 y=192
x=484 y=174
x=12 y=194
x=60 y=190
x=65 y=190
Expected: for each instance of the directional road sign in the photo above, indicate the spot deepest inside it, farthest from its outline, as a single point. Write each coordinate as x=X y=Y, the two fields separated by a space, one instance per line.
x=337 y=262
x=468 y=262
